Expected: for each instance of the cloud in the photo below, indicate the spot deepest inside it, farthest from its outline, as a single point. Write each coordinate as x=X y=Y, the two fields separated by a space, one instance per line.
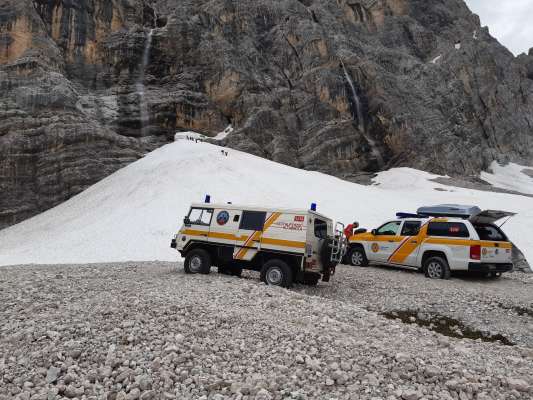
x=509 y=21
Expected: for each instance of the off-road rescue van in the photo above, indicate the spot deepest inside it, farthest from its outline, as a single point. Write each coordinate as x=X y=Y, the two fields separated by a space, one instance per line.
x=286 y=246
x=437 y=240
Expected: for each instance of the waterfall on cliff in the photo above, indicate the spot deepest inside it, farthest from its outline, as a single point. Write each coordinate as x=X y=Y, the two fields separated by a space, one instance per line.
x=144 y=117
x=360 y=116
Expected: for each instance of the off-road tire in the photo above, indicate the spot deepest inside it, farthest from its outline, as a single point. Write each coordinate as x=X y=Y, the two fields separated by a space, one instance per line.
x=325 y=254
x=357 y=252
x=197 y=261
x=437 y=268
x=277 y=273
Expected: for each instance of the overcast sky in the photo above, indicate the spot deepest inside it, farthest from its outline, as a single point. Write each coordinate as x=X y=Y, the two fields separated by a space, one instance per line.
x=509 y=21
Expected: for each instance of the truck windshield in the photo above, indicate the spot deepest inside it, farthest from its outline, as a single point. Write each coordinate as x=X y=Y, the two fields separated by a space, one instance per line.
x=490 y=232
x=390 y=228
x=201 y=216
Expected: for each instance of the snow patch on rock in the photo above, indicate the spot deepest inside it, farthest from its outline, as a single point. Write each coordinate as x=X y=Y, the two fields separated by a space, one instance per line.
x=222 y=135
x=511 y=177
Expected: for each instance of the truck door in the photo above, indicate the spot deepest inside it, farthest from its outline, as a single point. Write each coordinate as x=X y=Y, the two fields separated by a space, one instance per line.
x=198 y=223
x=225 y=226
x=249 y=234
x=407 y=251
x=320 y=230
x=385 y=241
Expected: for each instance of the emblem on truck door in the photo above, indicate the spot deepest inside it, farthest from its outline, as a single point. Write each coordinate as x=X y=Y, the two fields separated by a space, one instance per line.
x=375 y=247
x=222 y=218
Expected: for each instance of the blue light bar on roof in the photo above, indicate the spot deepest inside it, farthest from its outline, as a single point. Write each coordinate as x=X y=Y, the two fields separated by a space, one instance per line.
x=402 y=215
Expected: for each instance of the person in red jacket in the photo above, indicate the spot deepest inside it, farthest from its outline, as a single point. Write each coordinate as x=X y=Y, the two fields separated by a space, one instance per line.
x=348 y=231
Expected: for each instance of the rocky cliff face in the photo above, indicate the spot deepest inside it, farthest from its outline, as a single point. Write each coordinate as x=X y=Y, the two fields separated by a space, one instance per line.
x=339 y=86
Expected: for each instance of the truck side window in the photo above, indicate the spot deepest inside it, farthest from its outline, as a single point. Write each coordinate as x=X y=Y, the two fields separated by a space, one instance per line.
x=448 y=229
x=201 y=216
x=390 y=228
x=253 y=220
x=411 y=228
x=321 y=229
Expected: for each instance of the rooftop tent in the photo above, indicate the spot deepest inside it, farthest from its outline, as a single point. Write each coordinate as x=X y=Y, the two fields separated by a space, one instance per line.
x=449 y=210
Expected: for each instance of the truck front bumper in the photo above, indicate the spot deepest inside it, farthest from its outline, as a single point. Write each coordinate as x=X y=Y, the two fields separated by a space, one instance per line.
x=487 y=267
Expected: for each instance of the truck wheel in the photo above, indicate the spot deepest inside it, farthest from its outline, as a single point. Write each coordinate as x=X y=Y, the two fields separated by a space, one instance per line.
x=437 y=268
x=197 y=261
x=357 y=257
x=276 y=273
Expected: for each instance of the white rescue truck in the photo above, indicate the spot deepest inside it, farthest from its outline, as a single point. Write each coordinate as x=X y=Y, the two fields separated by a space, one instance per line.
x=285 y=246
x=438 y=240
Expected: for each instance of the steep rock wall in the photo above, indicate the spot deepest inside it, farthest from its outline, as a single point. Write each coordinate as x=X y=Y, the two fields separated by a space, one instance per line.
x=340 y=86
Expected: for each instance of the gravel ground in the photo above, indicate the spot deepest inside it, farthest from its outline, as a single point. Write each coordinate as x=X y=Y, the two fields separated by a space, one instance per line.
x=492 y=307
x=148 y=331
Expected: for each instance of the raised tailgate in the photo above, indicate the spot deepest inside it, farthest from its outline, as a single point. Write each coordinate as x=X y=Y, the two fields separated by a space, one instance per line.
x=489 y=216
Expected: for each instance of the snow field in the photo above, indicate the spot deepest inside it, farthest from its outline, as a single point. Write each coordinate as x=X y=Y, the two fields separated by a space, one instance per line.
x=133 y=214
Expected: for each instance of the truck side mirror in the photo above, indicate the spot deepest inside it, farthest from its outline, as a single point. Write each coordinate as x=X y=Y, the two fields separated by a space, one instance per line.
x=186 y=221
x=373 y=232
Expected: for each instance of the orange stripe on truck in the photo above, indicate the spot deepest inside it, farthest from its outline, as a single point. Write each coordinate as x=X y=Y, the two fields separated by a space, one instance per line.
x=283 y=243
x=408 y=246
x=216 y=235
x=404 y=250
x=466 y=242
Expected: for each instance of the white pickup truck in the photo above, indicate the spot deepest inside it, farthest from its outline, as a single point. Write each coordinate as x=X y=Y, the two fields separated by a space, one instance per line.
x=438 y=240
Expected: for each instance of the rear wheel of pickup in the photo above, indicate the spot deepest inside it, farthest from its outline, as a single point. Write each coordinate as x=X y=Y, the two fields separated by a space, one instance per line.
x=437 y=268
x=277 y=273
x=357 y=257
x=197 y=261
